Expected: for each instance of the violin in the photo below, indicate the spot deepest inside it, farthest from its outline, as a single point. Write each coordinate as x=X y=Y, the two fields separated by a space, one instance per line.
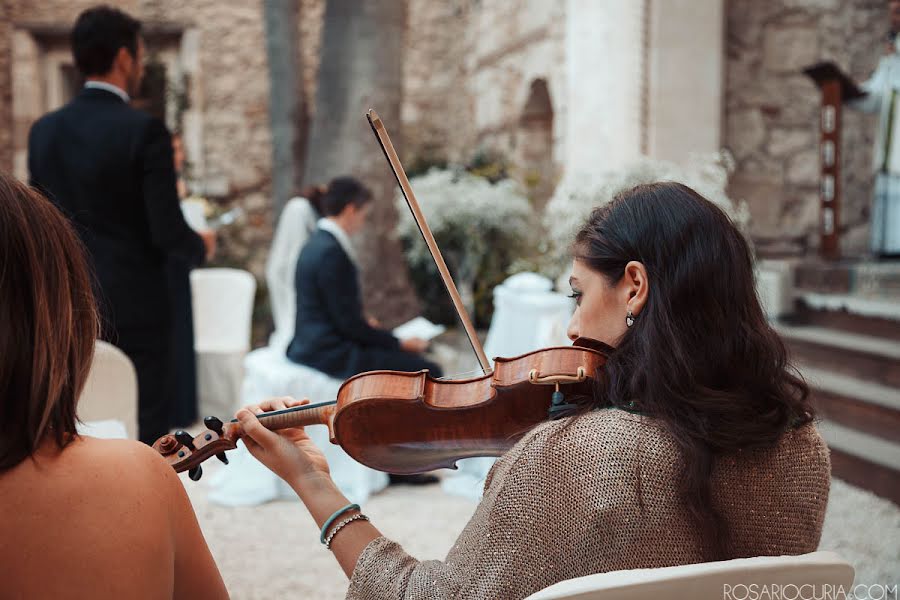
x=407 y=423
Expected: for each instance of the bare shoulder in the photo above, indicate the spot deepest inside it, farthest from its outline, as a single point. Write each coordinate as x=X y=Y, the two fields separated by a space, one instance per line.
x=122 y=460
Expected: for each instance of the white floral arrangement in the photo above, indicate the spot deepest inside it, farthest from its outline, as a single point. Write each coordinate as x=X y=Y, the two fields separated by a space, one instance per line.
x=577 y=196
x=468 y=210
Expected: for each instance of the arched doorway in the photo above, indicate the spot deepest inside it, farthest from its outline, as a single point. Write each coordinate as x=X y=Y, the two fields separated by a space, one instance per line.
x=534 y=145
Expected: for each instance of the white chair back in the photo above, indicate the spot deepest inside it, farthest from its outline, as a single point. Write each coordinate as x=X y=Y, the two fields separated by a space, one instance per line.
x=527 y=316
x=739 y=579
x=295 y=226
x=111 y=392
x=223 y=309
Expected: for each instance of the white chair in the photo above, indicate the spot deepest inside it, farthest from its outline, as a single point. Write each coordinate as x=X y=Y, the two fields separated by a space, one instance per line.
x=268 y=373
x=107 y=406
x=222 y=301
x=528 y=315
x=742 y=578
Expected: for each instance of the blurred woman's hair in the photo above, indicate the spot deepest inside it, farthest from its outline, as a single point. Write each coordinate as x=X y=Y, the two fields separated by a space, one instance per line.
x=331 y=200
x=701 y=357
x=49 y=323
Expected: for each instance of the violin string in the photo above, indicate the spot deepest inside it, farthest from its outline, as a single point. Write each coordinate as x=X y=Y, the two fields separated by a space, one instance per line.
x=463 y=375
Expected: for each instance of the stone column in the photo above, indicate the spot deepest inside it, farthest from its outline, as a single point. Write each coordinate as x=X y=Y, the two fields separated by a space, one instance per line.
x=604 y=52
x=685 y=78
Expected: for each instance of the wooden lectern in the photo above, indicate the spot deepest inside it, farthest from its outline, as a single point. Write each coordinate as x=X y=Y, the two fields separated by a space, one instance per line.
x=836 y=88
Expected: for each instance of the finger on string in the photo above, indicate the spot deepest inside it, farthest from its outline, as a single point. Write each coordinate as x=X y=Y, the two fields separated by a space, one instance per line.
x=269 y=404
x=253 y=408
x=254 y=429
x=278 y=403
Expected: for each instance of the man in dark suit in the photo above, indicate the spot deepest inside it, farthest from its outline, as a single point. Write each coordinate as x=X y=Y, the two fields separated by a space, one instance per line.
x=109 y=168
x=332 y=334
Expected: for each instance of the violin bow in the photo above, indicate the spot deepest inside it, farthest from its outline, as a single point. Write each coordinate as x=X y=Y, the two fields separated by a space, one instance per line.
x=388 y=148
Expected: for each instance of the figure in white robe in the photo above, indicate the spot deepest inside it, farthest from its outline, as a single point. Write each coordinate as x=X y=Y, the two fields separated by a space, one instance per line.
x=882 y=97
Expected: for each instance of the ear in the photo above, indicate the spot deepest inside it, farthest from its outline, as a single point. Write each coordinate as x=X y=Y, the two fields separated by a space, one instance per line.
x=123 y=60
x=637 y=286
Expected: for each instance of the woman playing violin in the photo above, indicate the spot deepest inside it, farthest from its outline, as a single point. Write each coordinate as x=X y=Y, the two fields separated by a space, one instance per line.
x=82 y=517
x=697 y=444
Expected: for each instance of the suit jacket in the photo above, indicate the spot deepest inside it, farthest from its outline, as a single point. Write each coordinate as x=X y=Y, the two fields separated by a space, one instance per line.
x=330 y=332
x=109 y=168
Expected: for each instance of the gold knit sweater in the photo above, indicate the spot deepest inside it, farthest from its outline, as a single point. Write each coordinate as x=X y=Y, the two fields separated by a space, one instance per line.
x=602 y=496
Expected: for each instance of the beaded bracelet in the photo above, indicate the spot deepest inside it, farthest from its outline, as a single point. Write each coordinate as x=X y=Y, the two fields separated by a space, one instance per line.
x=331 y=519
x=339 y=526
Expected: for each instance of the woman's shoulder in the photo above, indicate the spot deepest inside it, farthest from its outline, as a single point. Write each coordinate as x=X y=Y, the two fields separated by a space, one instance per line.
x=606 y=430
x=119 y=460
x=604 y=436
x=800 y=447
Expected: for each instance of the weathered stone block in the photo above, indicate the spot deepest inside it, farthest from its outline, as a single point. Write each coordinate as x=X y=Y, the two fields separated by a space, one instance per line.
x=783 y=142
x=789 y=49
x=815 y=5
x=746 y=131
x=803 y=169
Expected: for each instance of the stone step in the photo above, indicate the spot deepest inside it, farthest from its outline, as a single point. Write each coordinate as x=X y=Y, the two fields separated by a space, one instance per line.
x=877 y=317
x=849 y=276
x=860 y=420
x=866 y=357
x=863 y=460
x=855 y=402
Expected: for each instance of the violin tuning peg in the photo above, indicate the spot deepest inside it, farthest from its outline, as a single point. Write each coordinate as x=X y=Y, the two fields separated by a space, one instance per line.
x=185 y=438
x=214 y=424
x=221 y=456
x=196 y=473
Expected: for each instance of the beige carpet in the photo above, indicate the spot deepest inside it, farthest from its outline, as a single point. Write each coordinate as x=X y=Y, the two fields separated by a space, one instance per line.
x=272 y=551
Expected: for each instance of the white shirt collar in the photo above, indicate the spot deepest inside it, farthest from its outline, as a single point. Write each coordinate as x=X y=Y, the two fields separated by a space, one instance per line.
x=341 y=236
x=102 y=85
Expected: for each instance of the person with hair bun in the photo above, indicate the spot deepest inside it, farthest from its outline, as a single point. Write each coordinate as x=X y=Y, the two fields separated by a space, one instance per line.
x=698 y=443
x=83 y=517
x=332 y=334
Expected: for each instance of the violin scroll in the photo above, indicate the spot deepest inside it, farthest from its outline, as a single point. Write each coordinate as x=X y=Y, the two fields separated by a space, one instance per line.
x=185 y=452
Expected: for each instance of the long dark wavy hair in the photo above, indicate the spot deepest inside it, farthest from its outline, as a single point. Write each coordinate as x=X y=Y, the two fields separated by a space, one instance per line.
x=701 y=358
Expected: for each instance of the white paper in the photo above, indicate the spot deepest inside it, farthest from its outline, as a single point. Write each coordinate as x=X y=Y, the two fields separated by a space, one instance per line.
x=194 y=214
x=420 y=327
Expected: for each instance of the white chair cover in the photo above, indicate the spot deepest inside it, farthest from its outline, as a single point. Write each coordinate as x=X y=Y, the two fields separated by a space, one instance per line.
x=108 y=404
x=268 y=372
x=527 y=316
x=222 y=301
x=803 y=576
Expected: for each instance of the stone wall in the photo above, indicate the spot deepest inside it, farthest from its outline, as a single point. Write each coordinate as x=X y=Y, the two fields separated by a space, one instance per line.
x=227 y=135
x=437 y=107
x=772 y=110
x=469 y=69
x=6 y=129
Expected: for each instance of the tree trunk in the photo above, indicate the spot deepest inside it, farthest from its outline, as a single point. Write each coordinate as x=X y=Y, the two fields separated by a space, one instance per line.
x=360 y=68
x=288 y=116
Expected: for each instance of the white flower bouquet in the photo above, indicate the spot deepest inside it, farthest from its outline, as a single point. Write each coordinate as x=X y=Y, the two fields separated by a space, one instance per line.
x=576 y=197
x=471 y=219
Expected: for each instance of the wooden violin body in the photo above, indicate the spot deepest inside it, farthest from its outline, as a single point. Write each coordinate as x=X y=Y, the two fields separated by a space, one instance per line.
x=411 y=423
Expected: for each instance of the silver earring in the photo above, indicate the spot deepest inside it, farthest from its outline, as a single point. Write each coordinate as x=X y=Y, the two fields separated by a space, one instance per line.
x=629 y=319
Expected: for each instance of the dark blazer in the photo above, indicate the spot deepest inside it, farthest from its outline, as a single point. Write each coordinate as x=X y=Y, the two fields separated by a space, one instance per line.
x=331 y=334
x=109 y=168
